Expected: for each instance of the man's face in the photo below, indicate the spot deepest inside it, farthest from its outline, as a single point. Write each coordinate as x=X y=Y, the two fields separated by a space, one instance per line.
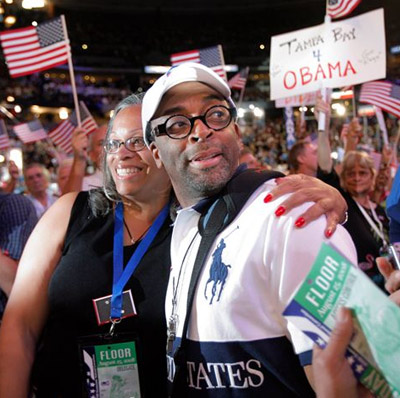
x=200 y=164
x=35 y=180
x=309 y=157
x=250 y=160
x=96 y=147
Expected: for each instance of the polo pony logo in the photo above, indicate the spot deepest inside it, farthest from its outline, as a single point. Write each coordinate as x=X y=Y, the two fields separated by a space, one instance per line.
x=218 y=273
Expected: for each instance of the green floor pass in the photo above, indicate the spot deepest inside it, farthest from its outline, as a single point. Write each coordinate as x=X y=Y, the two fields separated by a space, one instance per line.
x=374 y=352
x=111 y=370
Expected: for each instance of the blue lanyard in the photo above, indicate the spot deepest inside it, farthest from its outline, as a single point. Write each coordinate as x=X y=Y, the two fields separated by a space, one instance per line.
x=121 y=275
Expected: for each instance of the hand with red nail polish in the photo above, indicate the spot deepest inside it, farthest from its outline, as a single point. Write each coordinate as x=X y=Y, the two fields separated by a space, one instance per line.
x=280 y=210
x=328 y=200
x=268 y=198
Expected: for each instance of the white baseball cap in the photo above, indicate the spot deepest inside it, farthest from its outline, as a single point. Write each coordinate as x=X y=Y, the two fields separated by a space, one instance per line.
x=186 y=72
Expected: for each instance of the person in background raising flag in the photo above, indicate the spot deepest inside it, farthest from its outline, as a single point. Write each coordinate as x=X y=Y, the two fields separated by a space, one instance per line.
x=340 y=8
x=61 y=135
x=32 y=49
x=213 y=57
x=86 y=148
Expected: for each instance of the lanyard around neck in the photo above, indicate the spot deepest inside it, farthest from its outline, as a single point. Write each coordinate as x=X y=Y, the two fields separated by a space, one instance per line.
x=121 y=275
x=371 y=222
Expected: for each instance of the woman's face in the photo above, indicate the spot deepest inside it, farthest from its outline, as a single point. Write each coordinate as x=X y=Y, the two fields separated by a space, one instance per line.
x=358 y=180
x=135 y=174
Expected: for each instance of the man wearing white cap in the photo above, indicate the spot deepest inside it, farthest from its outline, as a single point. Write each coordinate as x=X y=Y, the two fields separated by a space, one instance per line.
x=236 y=342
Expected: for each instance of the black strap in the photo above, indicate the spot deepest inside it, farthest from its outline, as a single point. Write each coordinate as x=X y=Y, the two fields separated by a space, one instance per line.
x=214 y=226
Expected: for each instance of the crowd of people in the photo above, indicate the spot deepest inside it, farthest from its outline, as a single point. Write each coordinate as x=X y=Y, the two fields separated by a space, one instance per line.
x=171 y=248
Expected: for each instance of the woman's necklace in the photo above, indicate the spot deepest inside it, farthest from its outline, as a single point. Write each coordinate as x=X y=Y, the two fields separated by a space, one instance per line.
x=133 y=240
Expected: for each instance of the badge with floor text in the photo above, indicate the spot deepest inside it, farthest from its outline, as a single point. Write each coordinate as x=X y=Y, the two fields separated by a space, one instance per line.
x=111 y=370
x=102 y=307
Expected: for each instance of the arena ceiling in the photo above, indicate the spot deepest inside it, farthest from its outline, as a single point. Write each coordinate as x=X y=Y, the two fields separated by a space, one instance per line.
x=182 y=5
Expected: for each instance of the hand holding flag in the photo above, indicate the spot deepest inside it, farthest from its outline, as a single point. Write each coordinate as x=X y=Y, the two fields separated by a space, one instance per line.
x=62 y=134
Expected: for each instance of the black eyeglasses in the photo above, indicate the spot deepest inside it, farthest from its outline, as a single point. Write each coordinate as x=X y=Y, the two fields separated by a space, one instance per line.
x=133 y=144
x=180 y=126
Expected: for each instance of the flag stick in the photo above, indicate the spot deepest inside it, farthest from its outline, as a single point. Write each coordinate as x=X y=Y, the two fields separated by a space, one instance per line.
x=302 y=112
x=244 y=88
x=8 y=114
x=396 y=143
x=354 y=102
x=71 y=74
x=322 y=116
x=221 y=54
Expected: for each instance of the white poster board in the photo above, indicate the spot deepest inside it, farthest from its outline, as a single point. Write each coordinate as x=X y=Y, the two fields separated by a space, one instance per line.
x=335 y=54
x=297 y=100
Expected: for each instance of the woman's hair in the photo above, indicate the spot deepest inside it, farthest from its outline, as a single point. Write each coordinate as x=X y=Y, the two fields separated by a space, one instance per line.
x=351 y=159
x=101 y=199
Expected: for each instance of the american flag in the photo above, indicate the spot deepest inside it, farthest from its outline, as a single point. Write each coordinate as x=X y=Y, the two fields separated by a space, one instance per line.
x=32 y=49
x=61 y=135
x=239 y=80
x=212 y=57
x=4 y=141
x=341 y=8
x=382 y=94
x=30 y=132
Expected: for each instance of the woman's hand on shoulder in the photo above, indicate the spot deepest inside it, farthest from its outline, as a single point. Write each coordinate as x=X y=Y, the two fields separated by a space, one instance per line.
x=328 y=200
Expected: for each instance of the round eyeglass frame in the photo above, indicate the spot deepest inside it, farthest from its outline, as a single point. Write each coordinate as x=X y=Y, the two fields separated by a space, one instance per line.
x=120 y=142
x=161 y=129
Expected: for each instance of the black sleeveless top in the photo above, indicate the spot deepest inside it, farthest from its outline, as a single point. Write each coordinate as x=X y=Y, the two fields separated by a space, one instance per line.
x=85 y=273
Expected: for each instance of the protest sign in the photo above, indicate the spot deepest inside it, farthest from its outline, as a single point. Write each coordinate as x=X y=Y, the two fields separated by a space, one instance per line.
x=297 y=100
x=333 y=54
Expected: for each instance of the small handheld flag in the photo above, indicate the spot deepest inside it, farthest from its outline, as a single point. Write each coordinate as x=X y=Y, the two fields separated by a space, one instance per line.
x=212 y=57
x=32 y=49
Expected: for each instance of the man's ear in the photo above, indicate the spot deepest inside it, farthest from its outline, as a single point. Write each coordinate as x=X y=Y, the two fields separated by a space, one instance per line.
x=238 y=131
x=301 y=158
x=156 y=155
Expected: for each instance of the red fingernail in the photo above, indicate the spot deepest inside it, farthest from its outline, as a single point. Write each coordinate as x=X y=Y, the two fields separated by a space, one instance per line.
x=280 y=210
x=300 y=222
x=328 y=233
x=268 y=198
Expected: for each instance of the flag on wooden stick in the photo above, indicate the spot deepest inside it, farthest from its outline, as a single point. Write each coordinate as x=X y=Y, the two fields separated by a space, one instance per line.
x=239 y=80
x=382 y=94
x=32 y=49
x=62 y=134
